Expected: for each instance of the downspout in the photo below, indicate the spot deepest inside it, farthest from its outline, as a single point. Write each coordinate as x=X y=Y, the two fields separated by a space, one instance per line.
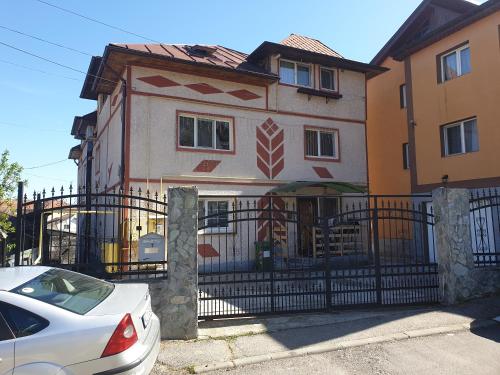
x=124 y=100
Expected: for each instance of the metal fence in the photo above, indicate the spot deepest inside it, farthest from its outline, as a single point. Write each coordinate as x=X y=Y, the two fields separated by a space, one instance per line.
x=109 y=233
x=271 y=254
x=485 y=227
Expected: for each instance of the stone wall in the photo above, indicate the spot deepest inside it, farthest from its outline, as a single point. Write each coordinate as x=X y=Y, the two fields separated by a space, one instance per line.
x=175 y=300
x=459 y=279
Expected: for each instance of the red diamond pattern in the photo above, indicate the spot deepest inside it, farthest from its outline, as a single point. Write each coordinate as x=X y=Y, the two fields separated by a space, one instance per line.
x=204 y=88
x=159 y=81
x=243 y=94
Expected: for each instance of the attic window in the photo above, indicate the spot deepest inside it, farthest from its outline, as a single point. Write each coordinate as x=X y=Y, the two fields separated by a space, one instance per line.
x=203 y=50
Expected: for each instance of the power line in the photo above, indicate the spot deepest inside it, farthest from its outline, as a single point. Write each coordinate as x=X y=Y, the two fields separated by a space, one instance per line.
x=48 y=178
x=96 y=21
x=48 y=164
x=45 y=40
x=54 y=62
x=37 y=70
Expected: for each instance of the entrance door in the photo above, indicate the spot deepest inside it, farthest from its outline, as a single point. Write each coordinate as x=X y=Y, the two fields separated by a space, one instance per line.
x=307 y=208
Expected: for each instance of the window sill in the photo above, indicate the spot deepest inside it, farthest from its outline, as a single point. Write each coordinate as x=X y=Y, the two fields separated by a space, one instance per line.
x=322 y=158
x=205 y=150
x=459 y=154
x=320 y=93
x=453 y=79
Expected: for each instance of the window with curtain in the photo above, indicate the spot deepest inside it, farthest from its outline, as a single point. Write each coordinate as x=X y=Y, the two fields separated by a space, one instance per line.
x=205 y=133
x=320 y=143
x=294 y=73
x=456 y=63
x=213 y=214
x=327 y=77
x=460 y=138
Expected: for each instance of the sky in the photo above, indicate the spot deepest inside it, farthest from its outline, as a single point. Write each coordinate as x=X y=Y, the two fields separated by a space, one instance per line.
x=38 y=99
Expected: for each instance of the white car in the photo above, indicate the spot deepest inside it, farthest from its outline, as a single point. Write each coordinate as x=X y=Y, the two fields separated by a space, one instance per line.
x=54 y=321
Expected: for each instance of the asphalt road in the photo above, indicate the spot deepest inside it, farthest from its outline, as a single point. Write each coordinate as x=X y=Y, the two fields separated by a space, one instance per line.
x=461 y=353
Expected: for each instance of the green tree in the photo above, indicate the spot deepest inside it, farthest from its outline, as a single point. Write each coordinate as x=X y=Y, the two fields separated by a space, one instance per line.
x=10 y=174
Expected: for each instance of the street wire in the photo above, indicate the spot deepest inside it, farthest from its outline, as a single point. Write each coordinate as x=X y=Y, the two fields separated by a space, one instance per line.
x=54 y=62
x=45 y=40
x=37 y=70
x=47 y=165
x=96 y=21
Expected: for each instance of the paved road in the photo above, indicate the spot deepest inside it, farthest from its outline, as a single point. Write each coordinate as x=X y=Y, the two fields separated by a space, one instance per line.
x=461 y=353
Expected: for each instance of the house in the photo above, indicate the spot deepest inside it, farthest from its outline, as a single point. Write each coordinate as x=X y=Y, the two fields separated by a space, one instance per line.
x=433 y=117
x=288 y=118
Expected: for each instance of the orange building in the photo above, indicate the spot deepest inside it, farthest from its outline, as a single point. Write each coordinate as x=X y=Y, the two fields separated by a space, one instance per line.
x=434 y=117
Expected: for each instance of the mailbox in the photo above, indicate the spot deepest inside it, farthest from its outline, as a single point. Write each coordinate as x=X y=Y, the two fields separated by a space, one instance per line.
x=151 y=248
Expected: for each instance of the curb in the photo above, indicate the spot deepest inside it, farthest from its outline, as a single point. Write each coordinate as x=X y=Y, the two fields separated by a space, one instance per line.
x=329 y=347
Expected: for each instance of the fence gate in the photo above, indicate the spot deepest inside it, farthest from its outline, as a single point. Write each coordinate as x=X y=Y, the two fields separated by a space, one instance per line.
x=281 y=254
x=106 y=233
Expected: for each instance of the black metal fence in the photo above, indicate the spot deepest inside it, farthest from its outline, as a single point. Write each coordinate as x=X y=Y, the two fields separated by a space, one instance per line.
x=485 y=227
x=271 y=254
x=109 y=233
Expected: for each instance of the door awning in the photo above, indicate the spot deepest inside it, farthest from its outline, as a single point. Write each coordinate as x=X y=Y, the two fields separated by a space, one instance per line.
x=339 y=187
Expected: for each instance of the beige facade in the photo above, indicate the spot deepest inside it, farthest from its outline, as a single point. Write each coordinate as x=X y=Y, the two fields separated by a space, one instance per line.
x=268 y=122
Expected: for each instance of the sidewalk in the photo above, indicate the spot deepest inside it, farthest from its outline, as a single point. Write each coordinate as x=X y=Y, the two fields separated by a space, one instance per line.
x=227 y=344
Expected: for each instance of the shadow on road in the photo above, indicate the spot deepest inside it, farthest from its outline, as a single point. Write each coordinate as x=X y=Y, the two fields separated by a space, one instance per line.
x=301 y=330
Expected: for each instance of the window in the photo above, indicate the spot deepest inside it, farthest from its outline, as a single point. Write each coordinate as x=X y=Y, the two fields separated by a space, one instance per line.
x=402 y=96
x=5 y=332
x=204 y=133
x=456 y=63
x=68 y=290
x=21 y=322
x=321 y=143
x=327 y=79
x=459 y=138
x=213 y=216
x=406 y=156
x=295 y=73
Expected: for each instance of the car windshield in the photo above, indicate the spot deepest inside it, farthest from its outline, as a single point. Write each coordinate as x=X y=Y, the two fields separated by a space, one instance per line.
x=69 y=290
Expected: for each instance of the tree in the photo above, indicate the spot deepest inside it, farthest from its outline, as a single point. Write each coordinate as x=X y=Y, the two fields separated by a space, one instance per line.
x=10 y=174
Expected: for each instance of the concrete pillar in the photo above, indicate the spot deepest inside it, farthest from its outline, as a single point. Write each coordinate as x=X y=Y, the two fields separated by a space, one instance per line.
x=454 y=245
x=177 y=298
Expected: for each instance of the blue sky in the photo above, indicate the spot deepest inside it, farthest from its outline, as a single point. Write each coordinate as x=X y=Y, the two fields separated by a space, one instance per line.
x=37 y=109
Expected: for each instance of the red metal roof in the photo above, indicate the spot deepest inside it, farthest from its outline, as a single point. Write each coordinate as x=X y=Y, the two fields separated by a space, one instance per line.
x=221 y=56
x=308 y=44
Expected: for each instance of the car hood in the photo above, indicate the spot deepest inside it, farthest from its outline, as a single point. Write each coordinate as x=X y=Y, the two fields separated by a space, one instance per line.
x=124 y=298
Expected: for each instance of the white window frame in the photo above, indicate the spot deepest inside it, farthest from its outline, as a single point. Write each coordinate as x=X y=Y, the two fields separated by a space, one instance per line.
x=334 y=71
x=218 y=230
x=214 y=133
x=295 y=64
x=461 y=124
x=335 y=133
x=458 y=57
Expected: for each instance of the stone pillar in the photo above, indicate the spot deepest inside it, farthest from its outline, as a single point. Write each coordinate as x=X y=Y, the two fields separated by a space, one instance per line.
x=453 y=245
x=177 y=304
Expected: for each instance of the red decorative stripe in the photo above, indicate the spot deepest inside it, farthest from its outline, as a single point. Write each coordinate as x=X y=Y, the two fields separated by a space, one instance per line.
x=270 y=148
x=322 y=172
x=207 y=251
x=204 y=88
x=159 y=81
x=206 y=166
x=244 y=94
